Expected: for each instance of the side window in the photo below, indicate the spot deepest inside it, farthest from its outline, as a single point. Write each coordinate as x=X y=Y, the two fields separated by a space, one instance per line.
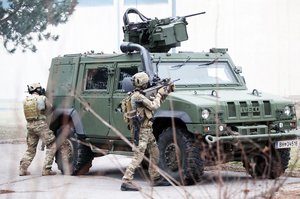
x=125 y=77
x=97 y=78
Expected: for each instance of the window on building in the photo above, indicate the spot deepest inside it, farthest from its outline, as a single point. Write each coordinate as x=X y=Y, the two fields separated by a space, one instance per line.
x=90 y=3
x=135 y=2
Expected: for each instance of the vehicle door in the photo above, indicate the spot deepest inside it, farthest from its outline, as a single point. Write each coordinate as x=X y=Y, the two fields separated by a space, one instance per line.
x=124 y=72
x=94 y=90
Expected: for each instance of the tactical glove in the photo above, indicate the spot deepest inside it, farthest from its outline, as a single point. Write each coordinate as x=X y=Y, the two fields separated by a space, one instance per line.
x=171 y=88
x=163 y=91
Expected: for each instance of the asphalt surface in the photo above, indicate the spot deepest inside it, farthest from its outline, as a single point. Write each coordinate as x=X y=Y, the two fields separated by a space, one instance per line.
x=104 y=180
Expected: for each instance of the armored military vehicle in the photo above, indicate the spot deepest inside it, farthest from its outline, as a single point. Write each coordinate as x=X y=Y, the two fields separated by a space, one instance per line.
x=211 y=118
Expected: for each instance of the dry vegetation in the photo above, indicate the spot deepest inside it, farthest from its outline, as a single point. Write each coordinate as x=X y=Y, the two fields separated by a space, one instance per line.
x=12 y=129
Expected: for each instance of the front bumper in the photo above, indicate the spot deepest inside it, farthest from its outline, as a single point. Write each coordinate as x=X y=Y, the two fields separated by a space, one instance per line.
x=231 y=138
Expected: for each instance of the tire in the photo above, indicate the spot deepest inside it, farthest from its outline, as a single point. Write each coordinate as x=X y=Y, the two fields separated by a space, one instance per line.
x=189 y=169
x=84 y=160
x=71 y=157
x=268 y=165
x=65 y=157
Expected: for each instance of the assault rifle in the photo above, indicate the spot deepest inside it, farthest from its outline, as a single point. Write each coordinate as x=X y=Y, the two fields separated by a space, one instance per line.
x=136 y=119
x=151 y=91
x=136 y=125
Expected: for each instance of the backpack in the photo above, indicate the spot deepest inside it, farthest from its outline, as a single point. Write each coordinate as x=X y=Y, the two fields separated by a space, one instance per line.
x=128 y=114
x=30 y=107
x=126 y=108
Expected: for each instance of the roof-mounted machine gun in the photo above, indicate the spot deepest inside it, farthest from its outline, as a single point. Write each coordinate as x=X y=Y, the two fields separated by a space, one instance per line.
x=156 y=35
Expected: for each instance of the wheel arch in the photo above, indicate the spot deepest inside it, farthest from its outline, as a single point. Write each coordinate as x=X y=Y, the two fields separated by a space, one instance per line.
x=62 y=117
x=163 y=119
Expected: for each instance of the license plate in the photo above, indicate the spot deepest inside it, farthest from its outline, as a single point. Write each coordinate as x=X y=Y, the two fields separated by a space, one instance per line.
x=287 y=144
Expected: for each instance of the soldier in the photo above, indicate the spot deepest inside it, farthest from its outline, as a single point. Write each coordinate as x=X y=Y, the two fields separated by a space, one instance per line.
x=143 y=109
x=35 y=106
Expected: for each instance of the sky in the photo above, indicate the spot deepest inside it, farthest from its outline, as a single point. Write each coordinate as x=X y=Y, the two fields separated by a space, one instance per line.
x=263 y=37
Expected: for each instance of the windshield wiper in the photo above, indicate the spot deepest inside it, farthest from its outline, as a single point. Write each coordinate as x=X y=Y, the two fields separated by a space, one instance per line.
x=182 y=64
x=158 y=62
x=208 y=63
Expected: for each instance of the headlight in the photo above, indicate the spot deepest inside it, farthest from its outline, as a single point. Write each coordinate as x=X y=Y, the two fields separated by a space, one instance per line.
x=205 y=114
x=287 y=110
x=221 y=128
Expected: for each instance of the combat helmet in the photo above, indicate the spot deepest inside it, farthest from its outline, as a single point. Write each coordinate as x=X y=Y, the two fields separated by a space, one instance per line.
x=140 y=80
x=35 y=88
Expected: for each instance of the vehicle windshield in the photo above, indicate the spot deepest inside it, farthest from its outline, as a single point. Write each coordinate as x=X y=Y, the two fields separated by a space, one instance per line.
x=200 y=73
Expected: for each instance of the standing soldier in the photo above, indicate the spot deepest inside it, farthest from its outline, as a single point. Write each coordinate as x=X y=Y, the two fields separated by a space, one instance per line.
x=35 y=107
x=142 y=110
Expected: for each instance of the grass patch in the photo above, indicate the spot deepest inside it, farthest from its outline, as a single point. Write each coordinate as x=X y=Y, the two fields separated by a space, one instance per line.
x=294 y=163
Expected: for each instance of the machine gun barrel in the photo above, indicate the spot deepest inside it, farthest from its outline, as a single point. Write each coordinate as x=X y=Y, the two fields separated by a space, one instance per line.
x=191 y=15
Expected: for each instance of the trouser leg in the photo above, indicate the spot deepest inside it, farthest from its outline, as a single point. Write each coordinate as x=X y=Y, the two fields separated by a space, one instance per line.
x=32 y=142
x=154 y=157
x=49 y=140
x=137 y=158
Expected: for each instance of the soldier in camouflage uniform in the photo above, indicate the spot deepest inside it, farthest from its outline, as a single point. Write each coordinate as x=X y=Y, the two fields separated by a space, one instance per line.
x=143 y=108
x=35 y=107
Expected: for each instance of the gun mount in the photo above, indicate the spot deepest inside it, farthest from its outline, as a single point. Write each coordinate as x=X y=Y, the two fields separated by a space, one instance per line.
x=156 y=35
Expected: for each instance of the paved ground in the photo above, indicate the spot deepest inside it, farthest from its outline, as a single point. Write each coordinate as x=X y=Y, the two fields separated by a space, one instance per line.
x=104 y=178
x=104 y=181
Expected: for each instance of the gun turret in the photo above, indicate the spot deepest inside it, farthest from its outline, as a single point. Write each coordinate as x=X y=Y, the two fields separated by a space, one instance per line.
x=156 y=35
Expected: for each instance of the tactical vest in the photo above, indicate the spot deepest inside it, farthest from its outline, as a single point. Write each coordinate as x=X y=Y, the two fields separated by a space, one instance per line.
x=130 y=109
x=32 y=106
x=141 y=110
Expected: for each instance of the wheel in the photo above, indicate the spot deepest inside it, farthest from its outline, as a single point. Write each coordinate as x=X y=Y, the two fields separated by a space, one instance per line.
x=186 y=166
x=84 y=160
x=71 y=157
x=65 y=157
x=271 y=164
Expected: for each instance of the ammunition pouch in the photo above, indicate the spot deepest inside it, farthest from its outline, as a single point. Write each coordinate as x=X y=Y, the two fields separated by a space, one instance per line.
x=130 y=114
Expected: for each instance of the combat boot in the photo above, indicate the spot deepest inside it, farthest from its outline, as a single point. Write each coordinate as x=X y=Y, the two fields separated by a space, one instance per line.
x=23 y=172
x=128 y=186
x=160 y=182
x=48 y=172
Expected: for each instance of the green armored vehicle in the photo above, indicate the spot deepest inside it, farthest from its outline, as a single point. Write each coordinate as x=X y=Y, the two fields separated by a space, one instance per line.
x=211 y=118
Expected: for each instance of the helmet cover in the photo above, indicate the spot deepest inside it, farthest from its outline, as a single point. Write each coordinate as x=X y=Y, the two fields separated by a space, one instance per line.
x=140 y=79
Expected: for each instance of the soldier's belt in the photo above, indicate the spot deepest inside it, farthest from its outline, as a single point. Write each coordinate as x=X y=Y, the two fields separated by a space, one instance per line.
x=41 y=117
x=143 y=128
x=130 y=114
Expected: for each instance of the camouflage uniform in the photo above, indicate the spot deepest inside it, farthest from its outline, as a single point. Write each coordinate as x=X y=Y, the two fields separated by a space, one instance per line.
x=146 y=137
x=37 y=128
